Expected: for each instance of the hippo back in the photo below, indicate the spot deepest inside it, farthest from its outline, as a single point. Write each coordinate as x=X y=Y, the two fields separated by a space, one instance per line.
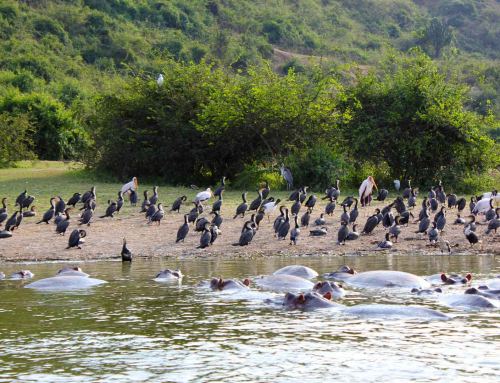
x=298 y=271
x=65 y=282
x=284 y=283
x=387 y=278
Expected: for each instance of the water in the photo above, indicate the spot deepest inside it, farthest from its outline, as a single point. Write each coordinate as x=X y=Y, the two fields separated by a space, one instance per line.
x=136 y=330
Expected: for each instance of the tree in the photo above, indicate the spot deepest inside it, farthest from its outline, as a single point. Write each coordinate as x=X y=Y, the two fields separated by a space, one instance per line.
x=15 y=138
x=412 y=118
x=437 y=35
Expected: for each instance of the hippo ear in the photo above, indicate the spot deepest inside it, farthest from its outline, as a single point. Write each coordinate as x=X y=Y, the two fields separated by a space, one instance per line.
x=444 y=278
x=220 y=283
x=340 y=286
x=327 y=295
x=247 y=282
x=301 y=298
x=318 y=285
x=468 y=277
x=438 y=290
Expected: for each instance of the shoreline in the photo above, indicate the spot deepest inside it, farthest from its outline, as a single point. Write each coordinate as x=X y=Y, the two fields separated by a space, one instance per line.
x=39 y=243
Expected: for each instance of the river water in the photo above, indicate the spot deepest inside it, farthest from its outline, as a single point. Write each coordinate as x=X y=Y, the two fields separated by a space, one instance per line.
x=134 y=329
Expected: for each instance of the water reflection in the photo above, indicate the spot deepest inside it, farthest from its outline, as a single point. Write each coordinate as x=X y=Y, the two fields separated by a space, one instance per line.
x=135 y=329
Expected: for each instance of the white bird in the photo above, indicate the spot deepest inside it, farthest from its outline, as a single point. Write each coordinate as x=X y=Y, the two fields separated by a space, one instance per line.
x=130 y=185
x=482 y=206
x=269 y=207
x=397 y=184
x=204 y=195
x=365 y=190
x=160 y=80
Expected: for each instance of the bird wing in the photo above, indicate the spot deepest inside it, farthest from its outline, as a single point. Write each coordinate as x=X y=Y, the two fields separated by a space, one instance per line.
x=363 y=188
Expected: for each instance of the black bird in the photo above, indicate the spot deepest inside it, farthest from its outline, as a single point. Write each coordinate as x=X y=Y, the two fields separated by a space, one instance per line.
x=110 y=210
x=76 y=238
x=452 y=200
x=342 y=233
x=388 y=220
x=259 y=216
x=158 y=215
x=404 y=217
x=183 y=230
x=74 y=199
x=494 y=224
x=29 y=213
x=214 y=233
x=255 y=204
x=433 y=233
x=20 y=198
x=306 y=217
x=60 y=206
x=472 y=203
x=433 y=204
x=295 y=195
x=89 y=204
x=19 y=219
x=303 y=195
x=382 y=194
x=89 y=195
x=126 y=253
x=353 y=215
x=424 y=223
x=353 y=235
x=217 y=220
x=176 y=206
x=441 y=222
x=221 y=188
x=320 y=221
x=119 y=201
x=11 y=222
x=206 y=236
x=399 y=205
x=294 y=234
x=370 y=224
x=311 y=201
x=217 y=204
x=150 y=211
x=318 y=232
x=284 y=227
x=296 y=206
x=345 y=215
x=154 y=198
x=407 y=192
x=265 y=191
x=3 y=209
x=62 y=226
x=412 y=200
x=386 y=243
x=86 y=217
x=194 y=213
x=27 y=202
x=330 y=207
x=348 y=201
x=470 y=235
x=200 y=224
x=279 y=220
x=247 y=234
x=242 y=207
x=461 y=204
x=439 y=214
x=49 y=214
x=132 y=197
x=145 y=203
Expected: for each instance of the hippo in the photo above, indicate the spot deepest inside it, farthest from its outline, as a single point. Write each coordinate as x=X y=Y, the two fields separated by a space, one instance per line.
x=283 y=283
x=307 y=302
x=398 y=311
x=229 y=284
x=335 y=291
x=451 y=279
x=381 y=279
x=493 y=283
x=168 y=275
x=468 y=301
x=75 y=271
x=426 y=291
x=342 y=273
x=298 y=271
x=64 y=282
x=23 y=274
x=2 y=275
x=484 y=291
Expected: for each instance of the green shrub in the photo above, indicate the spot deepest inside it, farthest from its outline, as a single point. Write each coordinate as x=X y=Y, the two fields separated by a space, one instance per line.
x=256 y=174
x=15 y=138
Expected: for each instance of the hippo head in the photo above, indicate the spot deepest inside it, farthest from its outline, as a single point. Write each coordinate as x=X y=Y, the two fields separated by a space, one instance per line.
x=307 y=301
x=454 y=278
x=330 y=288
x=346 y=269
x=217 y=284
x=472 y=290
x=69 y=269
x=420 y=291
x=167 y=273
x=23 y=274
x=221 y=284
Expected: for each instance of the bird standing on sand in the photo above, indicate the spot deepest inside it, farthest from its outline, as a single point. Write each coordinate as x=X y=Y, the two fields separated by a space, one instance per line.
x=366 y=189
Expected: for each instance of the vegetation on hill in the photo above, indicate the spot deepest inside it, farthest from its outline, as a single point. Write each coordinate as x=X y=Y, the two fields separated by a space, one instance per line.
x=61 y=61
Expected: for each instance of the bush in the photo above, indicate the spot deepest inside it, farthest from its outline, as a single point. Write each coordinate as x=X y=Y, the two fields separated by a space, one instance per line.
x=318 y=167
x=15 y=138
x=256 y=174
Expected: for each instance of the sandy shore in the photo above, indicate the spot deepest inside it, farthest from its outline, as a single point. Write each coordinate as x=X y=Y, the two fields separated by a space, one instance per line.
x=32 y=242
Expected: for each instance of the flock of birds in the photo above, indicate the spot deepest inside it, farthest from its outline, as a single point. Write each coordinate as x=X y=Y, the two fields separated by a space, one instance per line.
x=286 y=225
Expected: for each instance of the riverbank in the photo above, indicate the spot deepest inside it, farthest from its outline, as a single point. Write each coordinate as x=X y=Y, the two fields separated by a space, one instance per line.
x=32 y=242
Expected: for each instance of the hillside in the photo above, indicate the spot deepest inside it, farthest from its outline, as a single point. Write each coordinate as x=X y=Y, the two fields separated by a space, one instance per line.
x=57 y=57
